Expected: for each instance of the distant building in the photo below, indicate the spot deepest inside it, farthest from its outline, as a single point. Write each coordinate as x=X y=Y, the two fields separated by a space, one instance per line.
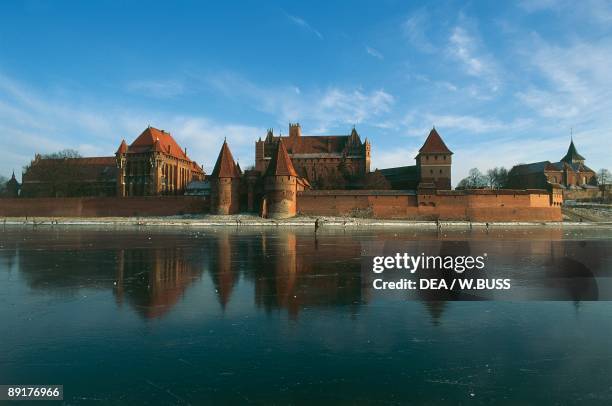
x=323 y=160
x=69 y=177
x=570 y=173
x=154 y=164
x=432 y=169
x=11 y=189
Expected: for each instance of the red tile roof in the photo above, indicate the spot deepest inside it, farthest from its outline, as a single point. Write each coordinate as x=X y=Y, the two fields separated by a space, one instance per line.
x=318 y=144
x=281 y=165
x=225 y=167
x=122 y=148
x=152 y=139
x=434 y=144
x=145 y=142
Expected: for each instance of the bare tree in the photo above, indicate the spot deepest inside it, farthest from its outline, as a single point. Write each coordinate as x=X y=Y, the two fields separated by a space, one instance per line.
x=497 y=177
x=474 y=180
x=603 y=176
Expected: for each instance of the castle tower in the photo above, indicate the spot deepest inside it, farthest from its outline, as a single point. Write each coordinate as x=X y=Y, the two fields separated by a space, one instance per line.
x=295 y=130
x=225 y=184
x=281 y=185
x=434 y=163
x=367 y=150
x=120 y=156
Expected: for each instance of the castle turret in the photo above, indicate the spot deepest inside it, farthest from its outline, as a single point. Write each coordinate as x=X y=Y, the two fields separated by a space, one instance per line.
x=367 y=147
x=225 y=184
x=120 y=156
x=281 y=184
x=434 y=163
x=295 y=130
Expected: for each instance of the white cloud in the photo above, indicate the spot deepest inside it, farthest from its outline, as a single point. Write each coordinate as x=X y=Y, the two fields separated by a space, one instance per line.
x=392 y=157
x=467 y=49
x=323 y=109
x=41 y=123
x=414 y=29
x=300 y=22
x=374 y=52
x=474 y=124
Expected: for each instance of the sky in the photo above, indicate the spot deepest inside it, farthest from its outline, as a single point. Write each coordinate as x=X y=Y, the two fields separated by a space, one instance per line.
x=502 y=82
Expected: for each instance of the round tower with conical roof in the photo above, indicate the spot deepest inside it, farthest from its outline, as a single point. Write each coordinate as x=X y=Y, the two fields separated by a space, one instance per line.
x=225 y=184
x=281 y=184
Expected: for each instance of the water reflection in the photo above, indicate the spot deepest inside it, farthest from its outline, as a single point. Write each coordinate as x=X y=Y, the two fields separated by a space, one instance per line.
x=288 y=270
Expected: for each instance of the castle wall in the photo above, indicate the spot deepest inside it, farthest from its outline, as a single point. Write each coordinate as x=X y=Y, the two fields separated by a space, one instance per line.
x=103 y=206
x=470 y=205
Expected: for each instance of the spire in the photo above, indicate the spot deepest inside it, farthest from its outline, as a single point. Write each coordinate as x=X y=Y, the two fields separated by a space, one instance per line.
x=122 y=148
x=434 y=144
x=572 y=155
x=281 y=164
x=225 y=167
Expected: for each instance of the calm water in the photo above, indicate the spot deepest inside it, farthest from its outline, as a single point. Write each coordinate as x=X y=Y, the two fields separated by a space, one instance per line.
x=277 y=316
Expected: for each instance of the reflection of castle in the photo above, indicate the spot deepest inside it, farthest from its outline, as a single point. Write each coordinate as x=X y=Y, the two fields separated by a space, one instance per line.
x=153 y=280
x=294 y=276
x=287 y=270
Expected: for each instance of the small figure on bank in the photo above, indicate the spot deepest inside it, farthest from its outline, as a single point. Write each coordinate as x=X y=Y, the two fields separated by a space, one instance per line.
x=316 y=225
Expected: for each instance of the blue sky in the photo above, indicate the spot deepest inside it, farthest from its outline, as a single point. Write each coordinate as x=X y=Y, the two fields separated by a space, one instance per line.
x=503 y=82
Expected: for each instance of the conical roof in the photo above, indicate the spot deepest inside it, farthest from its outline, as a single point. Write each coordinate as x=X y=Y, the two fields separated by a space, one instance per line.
x=572 y=154
x=225 y=167
x=123 y=147
x=281 y=164
x=434 y=144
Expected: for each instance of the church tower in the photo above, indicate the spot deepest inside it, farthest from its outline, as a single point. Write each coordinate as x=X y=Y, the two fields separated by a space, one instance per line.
x=572 y=156
x=281 y=184
x=434 y=163
x=225 y=184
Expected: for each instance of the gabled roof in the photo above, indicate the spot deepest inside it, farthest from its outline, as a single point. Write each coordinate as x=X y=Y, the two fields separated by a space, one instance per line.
x=572 y=154
x=145 y=142
x=225 y=167
x=525 y=169
x=281 y=164
x=434 y=144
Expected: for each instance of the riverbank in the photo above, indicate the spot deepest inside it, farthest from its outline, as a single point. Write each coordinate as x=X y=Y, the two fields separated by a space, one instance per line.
x=244 y=220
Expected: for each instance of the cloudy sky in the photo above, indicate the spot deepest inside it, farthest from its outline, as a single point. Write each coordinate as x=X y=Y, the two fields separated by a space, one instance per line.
x=503 y=82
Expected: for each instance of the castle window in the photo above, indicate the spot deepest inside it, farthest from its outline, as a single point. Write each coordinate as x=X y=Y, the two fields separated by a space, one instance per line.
x=436 y=157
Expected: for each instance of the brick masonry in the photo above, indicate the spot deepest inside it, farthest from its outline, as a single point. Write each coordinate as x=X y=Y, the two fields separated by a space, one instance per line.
x=103 y=206
x=473 y=205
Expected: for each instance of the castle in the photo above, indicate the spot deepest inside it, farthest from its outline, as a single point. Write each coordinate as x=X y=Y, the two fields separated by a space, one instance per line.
x=293 y=174
x=323 y=160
